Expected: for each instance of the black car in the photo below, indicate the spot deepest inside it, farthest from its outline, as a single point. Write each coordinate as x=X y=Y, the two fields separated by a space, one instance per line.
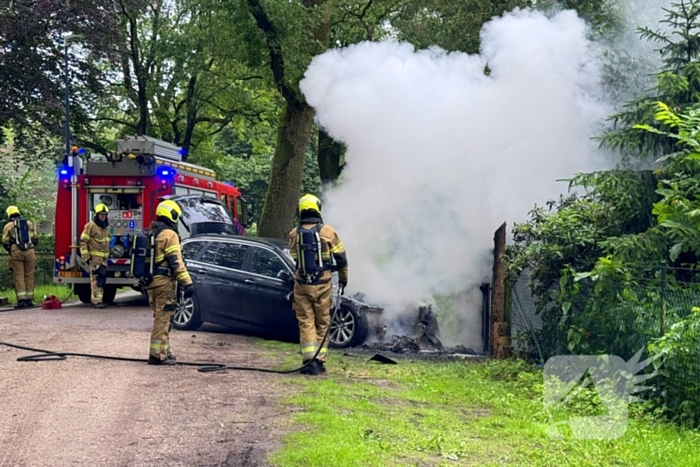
x=246 y=283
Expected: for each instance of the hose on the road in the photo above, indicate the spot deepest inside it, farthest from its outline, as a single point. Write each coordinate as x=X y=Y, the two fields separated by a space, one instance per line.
x=50 y=355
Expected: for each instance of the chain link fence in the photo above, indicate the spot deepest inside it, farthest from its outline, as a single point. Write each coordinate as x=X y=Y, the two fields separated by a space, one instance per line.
x=42 y=276
x=659 y=315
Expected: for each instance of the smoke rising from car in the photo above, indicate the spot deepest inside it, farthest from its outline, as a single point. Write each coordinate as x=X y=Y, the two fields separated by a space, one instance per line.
x=440 y=154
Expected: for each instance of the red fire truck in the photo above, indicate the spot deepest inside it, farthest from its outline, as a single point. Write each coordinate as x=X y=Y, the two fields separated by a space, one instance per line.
x=131 y=182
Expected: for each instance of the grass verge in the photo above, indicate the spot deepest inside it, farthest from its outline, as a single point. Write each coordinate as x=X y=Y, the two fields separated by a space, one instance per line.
x=453 y=414
x=60 y=291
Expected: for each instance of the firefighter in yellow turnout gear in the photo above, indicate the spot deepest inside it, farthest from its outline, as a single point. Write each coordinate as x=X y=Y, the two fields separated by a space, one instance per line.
x=94 y=249
x=318 y=251
x=19 y=239
x=169 y=269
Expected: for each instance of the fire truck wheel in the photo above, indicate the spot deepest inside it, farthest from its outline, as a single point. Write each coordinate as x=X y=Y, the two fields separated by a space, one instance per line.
x=108 y=294
x=83 y=292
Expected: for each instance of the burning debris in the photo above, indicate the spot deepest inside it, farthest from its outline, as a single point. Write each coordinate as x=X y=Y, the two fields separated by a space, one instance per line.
x=422 y=336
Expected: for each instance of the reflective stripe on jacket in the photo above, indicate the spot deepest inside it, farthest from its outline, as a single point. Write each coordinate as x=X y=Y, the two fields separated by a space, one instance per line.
x=94 y=241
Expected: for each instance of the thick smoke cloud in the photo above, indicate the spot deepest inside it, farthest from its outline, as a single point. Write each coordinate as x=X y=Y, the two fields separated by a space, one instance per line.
x=440 y=153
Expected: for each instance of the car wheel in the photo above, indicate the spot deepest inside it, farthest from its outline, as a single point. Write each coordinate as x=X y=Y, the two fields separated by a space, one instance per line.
x=349 y=327
x=187 y=316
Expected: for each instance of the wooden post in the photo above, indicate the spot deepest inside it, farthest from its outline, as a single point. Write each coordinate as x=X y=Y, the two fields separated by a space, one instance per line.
x=500 y=341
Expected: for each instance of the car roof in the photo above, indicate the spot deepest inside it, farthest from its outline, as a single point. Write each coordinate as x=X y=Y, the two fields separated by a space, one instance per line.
x=270 y=242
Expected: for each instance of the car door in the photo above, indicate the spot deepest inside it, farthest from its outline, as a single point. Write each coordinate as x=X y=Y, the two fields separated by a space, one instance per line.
x=199 y=267
x=227 y=273
x=266 y=301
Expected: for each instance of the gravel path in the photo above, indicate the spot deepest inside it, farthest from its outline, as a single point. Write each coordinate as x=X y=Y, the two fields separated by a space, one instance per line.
x=108 y=413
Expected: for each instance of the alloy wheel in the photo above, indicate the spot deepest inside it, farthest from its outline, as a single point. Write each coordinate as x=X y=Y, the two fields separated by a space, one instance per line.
x=183 y=313
x=342 y=327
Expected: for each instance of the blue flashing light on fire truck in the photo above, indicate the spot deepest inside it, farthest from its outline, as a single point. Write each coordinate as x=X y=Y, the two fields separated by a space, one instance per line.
x=131 y=182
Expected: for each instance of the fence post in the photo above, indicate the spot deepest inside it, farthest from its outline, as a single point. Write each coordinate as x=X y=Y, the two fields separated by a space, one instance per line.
x=500 y=342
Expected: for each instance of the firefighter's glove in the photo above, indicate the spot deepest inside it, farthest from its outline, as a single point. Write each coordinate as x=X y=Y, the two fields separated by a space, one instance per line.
x=7 y=247
x=102 y=270
x=35 y=241
x=188 y=290
x=342 y=286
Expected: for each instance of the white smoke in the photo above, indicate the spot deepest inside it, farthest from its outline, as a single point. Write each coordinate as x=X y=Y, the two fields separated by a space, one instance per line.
x=440 y=154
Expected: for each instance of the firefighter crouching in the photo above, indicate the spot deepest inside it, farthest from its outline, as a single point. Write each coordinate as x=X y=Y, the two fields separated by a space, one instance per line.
x=318 y=251
x=169 y=269
x=94 y=249
x=19 y=239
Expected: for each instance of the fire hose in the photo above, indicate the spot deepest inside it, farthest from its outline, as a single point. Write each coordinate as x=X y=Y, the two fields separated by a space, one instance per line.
x=50 y=355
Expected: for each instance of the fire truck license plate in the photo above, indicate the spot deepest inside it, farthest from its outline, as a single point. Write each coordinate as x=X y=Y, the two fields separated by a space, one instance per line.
x=70 y=274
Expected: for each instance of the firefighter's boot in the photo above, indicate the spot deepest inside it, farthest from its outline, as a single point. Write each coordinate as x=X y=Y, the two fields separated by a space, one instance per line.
x=311 y=369
x=320 y=366
x=156 y=361
x=99 y=305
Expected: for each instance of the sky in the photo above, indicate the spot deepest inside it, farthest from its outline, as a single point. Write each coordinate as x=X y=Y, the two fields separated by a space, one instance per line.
x=439 y=154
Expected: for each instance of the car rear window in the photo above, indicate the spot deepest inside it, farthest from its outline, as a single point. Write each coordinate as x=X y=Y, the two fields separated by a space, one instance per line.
x=266 y=262
x=231 y=255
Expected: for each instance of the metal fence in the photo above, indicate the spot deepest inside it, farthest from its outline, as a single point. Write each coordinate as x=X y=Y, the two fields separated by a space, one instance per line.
x=659 y=315
x=42 y=276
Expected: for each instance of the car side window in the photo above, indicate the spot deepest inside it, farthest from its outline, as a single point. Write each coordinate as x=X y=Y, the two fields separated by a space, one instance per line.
x=210 y=254
x=231 y=255
x=266 y=263
x=191 y=249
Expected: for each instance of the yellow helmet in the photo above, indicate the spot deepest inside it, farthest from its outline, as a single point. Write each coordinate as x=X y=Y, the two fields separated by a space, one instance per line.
x=310 y=203
x=12 y=210
x=100 y=208
x=169 y=209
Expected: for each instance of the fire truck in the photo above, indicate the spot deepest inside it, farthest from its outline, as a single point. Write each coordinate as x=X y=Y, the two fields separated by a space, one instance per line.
x=131 y=182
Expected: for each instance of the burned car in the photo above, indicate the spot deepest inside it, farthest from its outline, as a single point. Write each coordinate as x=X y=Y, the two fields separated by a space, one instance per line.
x=246 y=283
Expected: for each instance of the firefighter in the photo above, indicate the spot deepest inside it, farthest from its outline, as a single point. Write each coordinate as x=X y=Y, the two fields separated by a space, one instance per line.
x=169 y=269
x=94 y=249
x=318 y=252
x=19 y=239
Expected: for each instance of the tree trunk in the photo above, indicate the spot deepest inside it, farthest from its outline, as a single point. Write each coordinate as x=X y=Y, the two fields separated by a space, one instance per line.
x=329 y=153
x=287 y=170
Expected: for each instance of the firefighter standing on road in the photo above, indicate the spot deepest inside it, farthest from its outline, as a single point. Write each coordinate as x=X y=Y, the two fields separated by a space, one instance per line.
x=94 y=249
x=169 y=269
x=318 y=251
x=19 y=239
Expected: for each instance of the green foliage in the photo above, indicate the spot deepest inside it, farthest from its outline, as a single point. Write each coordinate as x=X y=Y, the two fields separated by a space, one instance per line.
x=615 y=294
x=679 y=366
x=28 y=177
x=677 y=84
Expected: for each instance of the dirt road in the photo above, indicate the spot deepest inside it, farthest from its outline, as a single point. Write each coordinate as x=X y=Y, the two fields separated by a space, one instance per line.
x=109 y=413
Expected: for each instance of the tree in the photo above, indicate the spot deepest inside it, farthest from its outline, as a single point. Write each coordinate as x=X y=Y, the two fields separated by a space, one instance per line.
x=32 y=59
x=290 y=49
x=186 y=72
x=677 y=84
